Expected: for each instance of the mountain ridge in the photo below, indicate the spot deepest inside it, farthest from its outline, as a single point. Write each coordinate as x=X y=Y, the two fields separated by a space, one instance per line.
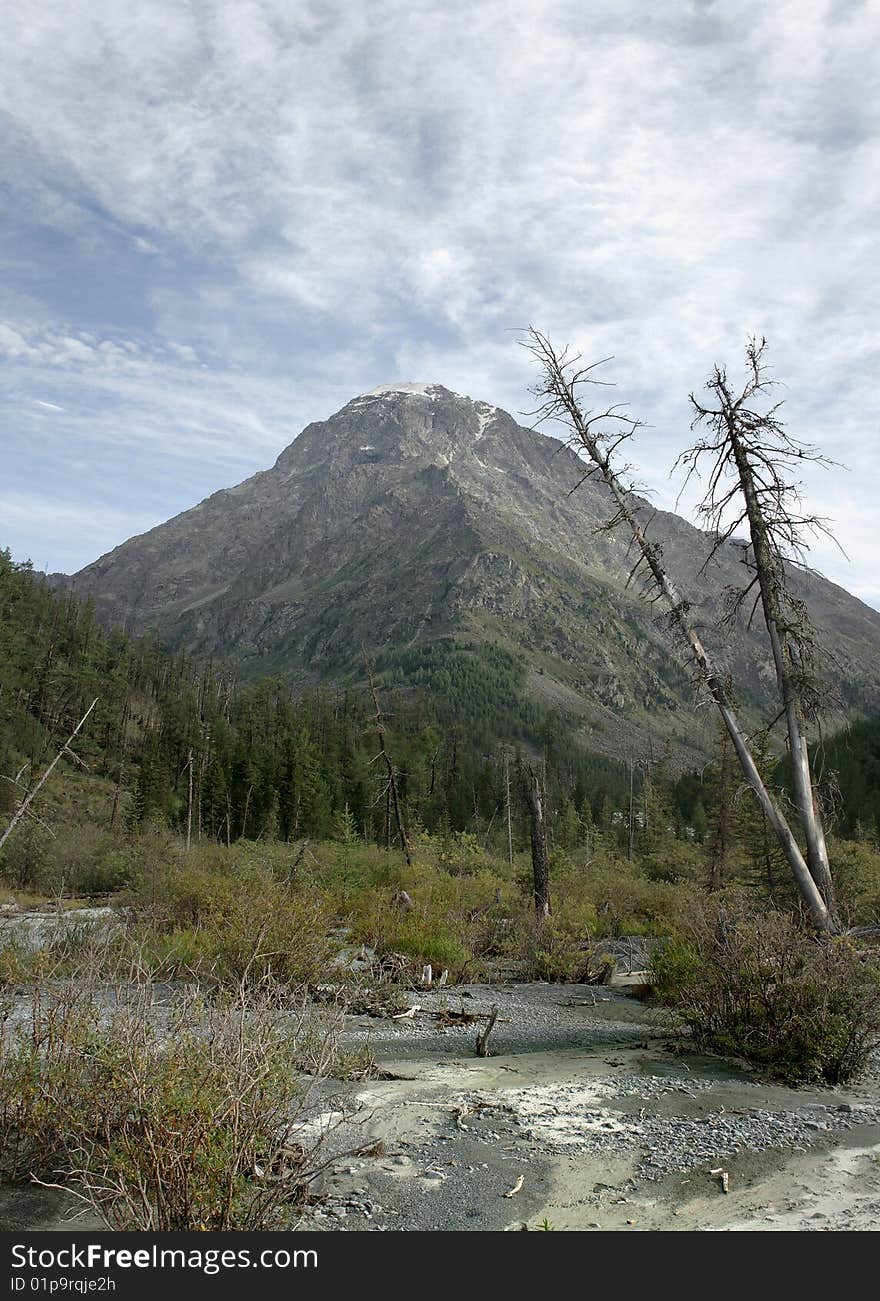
x=414 y=514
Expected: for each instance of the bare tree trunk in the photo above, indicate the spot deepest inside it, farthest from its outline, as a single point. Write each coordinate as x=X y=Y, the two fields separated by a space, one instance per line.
x=202 y=768
x=507 y=805
x=29 y=798
x=720 y=843
x=123 y=746
x=189 y=801
x=247 y=805
x=537 y=802
x=785 y=657
x=389 y=767
x=632 y=824
x=558 y=388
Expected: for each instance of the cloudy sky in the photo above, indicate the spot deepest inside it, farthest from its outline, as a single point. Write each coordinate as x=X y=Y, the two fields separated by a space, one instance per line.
x=223 y=218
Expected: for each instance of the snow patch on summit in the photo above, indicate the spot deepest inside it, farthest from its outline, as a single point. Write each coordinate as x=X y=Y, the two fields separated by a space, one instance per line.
x=486 y=412
x=405 y=386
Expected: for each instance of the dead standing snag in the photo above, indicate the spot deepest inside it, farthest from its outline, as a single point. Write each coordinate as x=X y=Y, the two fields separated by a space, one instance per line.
x=751 y=484
x=598 y=434
x=391 y=788
x=534 y=781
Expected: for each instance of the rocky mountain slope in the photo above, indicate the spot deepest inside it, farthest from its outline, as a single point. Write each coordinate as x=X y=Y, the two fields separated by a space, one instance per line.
x=422 y=524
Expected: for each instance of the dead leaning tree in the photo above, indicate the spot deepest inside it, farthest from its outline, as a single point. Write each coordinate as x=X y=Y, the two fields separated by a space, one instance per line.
x=29 y=798
x=751 y=483
x=598 y=434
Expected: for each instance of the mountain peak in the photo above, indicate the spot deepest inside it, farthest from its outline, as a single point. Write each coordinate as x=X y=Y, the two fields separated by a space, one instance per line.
x=405 y=386
x=421 y=389
x=416 y=516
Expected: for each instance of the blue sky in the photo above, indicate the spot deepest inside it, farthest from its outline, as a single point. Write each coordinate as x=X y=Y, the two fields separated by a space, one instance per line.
x=219 y=221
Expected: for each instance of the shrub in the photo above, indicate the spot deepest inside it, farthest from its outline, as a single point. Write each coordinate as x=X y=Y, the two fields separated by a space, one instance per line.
x=556 y=949
x=164 y=1121
x=423 y=933
x=805 y=1007
x=448 y=924
x=81 y=858
x=856 y=870
x=200 y=1125
x=59 y=949
x=85 y=860
x=204 y=919
x=552 y=953
x=627 y=903
x=45 y=1080
x=24 y=856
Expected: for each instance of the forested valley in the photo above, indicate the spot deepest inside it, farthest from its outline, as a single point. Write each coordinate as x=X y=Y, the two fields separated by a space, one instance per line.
x=182 y=747
x=288 y=860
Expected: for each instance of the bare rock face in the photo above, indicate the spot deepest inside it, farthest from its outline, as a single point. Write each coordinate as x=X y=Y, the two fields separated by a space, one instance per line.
x=415 y=515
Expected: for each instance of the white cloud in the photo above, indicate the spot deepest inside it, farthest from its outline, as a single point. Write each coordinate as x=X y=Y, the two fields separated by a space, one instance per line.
x=387 y=189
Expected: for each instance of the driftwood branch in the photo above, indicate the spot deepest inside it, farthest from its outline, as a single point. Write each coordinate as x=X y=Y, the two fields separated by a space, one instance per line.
x=483 y=1036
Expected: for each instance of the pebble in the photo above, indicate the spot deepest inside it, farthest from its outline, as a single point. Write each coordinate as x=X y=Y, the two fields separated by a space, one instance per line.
x=666 y=1143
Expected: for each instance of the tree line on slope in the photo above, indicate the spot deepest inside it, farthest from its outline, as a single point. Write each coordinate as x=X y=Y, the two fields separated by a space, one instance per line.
x=184 y=744
x=180 y=744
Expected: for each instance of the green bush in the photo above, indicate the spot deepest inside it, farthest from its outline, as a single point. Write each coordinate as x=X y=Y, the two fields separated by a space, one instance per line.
x=449 y=923
x=45 y=1081
x=198 y=1132
x=163 y=1122
x=57 y=954
x=557 y=948
x=24 y=856
x=803 y=1006
x=222 y=919
x=424 y=932
x=62 y=857
x=83 y=860
x=553 y=954
x=675 y=966
x=856 y=870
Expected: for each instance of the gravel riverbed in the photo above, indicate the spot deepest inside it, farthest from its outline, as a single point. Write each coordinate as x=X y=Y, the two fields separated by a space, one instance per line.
x=592 y=1113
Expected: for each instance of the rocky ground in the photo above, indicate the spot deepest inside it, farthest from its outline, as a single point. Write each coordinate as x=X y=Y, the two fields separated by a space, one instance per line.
x=592 y=1113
